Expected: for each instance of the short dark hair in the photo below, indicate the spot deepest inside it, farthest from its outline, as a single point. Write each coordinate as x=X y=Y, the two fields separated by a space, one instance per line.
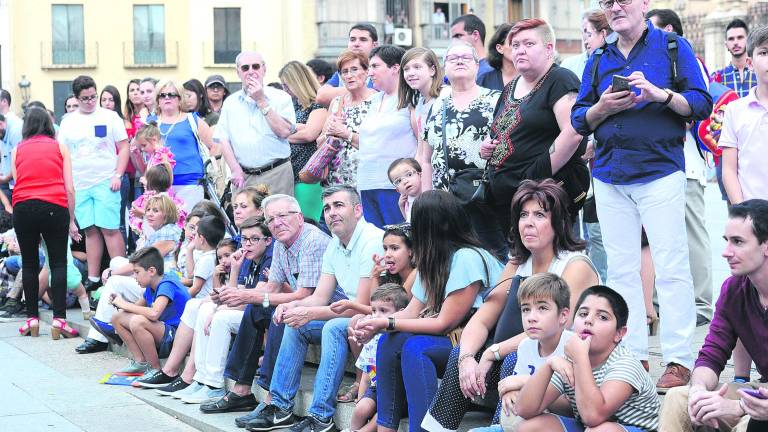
x=389 y=54
x=354 y=195
x=256 y=222
x=5 y=95
x=411 y=162
x=494 y=57
x=391 y=292
x=321 y=68
x=737 y=23
x=617 y=302
x=471 y=24
x=667 y=17
x=37 y=122
x=212 y=230
x=756 y=210
x=148 y=257
x=83 y=82
x=366 y=27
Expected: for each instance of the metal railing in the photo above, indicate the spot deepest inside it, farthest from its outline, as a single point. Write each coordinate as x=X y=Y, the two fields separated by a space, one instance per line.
x=69 y=55
x=150 y=55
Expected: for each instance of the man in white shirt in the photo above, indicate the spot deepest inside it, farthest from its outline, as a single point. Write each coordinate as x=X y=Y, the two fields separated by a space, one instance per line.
x=253 y=129
x=99 y=144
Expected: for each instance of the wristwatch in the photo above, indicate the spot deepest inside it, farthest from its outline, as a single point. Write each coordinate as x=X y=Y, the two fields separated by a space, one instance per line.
x=265 y=110
x=670 y=95
x=265 y=302
x=391 y=324
x=495 y=350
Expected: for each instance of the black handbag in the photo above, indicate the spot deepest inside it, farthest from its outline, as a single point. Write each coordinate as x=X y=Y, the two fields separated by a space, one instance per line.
x=470 y=185
x=510 y=323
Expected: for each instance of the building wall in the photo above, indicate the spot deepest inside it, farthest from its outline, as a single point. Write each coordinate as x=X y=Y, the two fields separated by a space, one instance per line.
x=282 y=31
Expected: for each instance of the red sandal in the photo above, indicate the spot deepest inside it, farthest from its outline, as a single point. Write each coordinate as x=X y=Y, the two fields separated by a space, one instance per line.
x=30 y=328
x=59 y=328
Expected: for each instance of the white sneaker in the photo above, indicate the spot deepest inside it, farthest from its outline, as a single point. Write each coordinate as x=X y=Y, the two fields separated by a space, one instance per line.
x=192 y=388
x=203 y=395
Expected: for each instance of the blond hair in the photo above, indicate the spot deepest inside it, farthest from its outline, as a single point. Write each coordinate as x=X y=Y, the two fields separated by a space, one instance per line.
x=164 y=203
x=177 y=89
x=301 y=81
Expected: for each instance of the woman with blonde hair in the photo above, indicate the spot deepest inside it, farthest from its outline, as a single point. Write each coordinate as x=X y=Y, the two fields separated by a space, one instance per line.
x=180 y=132
x=299 y=82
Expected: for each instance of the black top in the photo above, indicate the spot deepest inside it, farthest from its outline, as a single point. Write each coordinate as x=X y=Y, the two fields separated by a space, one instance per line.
x=526 y=129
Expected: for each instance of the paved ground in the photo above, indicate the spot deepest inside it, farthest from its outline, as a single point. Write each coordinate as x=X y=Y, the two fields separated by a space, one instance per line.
x=45 y=386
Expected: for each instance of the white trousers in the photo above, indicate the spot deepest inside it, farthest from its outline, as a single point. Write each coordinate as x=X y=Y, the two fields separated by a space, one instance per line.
x=211 y=350
x=127 y=287
x=659 y=207
x=191 y=310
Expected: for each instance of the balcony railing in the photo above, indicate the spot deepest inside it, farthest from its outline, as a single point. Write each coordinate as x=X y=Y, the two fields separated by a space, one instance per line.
x=69 y=55
x=145 y=55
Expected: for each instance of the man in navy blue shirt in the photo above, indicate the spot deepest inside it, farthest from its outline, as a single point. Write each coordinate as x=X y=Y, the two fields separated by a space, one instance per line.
x=639 y=172
x=363 y=38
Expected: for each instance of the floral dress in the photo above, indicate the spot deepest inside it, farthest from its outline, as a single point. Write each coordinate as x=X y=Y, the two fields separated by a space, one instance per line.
x=465 y=132
x=343 y=168
x=301 y=152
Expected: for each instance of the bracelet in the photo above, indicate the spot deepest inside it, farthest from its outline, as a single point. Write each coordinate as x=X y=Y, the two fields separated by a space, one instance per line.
x=465 y=356
x=670 y=95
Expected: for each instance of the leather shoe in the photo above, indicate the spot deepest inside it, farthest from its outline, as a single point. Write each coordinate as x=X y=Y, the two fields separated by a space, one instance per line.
x=674 y=376
x=90 y=285
x=230 y=402
x=91 y=346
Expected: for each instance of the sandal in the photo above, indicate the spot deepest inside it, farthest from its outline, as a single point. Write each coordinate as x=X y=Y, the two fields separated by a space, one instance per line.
x=59 y=328
x=348 y=394
x=30 y=328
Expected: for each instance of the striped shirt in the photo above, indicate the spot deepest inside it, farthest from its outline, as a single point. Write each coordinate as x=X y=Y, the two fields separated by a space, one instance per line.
x=300 y=264
x=641 y=409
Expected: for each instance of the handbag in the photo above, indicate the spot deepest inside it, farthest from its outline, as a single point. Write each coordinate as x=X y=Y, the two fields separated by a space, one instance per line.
x=510 y=321
x=317 y=167
x=469 y=185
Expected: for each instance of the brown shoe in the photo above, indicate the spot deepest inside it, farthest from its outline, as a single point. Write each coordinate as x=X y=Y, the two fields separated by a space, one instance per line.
x=674 y=376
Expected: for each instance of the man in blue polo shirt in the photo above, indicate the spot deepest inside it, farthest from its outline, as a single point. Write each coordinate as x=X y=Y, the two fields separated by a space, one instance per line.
x=639 y=172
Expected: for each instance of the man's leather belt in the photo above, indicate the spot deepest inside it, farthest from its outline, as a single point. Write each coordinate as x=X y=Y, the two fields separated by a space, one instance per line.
x=264 y=168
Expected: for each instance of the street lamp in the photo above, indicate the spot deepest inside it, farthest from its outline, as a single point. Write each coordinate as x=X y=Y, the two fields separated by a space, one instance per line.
x=24 y=85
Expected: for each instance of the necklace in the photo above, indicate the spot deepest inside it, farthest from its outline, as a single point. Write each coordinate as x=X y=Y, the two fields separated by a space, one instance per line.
x=164 y=136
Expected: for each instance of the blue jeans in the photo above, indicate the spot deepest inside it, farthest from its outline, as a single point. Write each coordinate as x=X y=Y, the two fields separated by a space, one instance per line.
x=596 y=250
x=408 y=366
x=380 y=206
x=13 y=262
x=290 y=362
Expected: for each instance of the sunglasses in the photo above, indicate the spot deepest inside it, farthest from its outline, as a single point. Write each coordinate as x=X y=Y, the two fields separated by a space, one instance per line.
x=167 y=95
x=247 y=67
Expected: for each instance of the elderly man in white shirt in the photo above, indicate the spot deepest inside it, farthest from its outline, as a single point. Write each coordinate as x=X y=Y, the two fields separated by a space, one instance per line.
x=253 y=129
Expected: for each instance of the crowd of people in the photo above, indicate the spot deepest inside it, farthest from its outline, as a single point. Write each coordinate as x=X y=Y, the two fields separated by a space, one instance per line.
x=488 y=228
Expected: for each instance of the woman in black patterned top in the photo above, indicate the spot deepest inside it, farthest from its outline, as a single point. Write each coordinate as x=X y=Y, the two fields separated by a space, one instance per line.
x=468 y=112
x=302 y=85
x=533 y=136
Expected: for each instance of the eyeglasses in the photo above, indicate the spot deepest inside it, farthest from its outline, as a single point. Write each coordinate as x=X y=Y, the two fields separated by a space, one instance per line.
x=351 y=71
x=280 y=217
x=251 y=240
x=404 y=228
x=608 y=4
x=85 y=99
x=167 y=95
x=247 y=67
x=407 y=175
x=456 y=58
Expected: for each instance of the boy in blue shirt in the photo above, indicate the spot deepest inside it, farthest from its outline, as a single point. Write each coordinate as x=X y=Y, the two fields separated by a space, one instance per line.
x=150 y=322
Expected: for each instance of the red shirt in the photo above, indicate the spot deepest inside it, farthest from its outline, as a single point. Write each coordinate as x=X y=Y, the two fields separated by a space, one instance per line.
x=40 y=171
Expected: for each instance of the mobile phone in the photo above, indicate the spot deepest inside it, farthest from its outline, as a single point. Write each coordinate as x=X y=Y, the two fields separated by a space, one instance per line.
x=754 y=393
x=619 y=83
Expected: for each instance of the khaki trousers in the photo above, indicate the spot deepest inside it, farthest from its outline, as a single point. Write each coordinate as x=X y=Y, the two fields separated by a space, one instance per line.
x=279 y=180
x=674 y=413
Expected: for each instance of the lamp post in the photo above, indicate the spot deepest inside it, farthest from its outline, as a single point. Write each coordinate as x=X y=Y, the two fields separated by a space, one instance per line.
x=24 y=86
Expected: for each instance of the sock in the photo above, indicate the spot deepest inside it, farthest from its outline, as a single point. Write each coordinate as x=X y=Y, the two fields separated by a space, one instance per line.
x=85 y=305
x=94 y=278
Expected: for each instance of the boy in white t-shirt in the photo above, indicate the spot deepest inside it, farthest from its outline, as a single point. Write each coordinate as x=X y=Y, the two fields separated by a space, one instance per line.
x=210 y=231
x=99 y=144
x=385 y=300
x=544 y=300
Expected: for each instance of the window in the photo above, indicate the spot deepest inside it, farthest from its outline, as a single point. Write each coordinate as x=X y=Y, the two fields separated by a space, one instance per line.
x=226 y=34
x=148 y=34
x=68 y=45
x=61 y=89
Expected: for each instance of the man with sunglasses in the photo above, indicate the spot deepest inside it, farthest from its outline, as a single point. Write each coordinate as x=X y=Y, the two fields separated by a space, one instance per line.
x=253 y=129
x=363 y=37
x=216 y=90
x=639 y=171
x=99 y=144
